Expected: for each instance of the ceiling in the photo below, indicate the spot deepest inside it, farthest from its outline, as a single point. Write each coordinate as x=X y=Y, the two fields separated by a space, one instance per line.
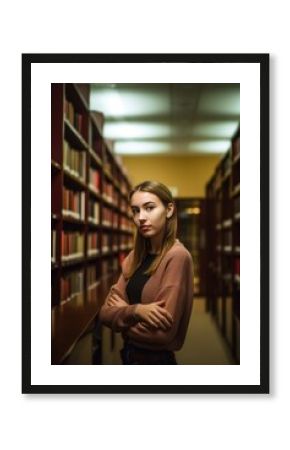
x=168 y=119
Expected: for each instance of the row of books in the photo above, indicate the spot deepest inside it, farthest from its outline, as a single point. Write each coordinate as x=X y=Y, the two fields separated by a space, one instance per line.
x=126 y=224
x=123 y=186
x=110 y=265
x=124 y=206
x=108 y=167
x=94 y=211
x=116 y=242
x=71 y=285
x=92 y=276
x=106 y=244
x=224 y=170
x=74 y=206
x=227 y=209
x=95 y=180
x=110 y=217
x=74 y=161
x=73 y=203
x=72 y=245
x=108 y=192
x=93 y=243
x=74 y=117
x=125 y=242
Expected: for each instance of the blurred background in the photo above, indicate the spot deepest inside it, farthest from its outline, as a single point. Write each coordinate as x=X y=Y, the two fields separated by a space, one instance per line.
x=105 y=139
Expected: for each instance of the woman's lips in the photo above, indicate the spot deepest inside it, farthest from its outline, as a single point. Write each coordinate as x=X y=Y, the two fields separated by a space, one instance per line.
x=145 y=228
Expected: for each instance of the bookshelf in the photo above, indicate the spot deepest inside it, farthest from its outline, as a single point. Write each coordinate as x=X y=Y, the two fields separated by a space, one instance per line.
x=91 y=223
x=191 y=229
x=223 y=246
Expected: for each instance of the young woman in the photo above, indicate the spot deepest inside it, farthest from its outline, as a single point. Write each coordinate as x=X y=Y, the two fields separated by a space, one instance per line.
x=152 y=301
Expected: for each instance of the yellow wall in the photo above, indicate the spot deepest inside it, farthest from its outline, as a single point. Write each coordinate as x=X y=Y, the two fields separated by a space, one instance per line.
x=188 y=173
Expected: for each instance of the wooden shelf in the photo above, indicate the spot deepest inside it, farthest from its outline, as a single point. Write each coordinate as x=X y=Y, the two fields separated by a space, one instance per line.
x=223 y=260
x=236 y=190
x=55 y=166
x=70 y=320
x=94 y=193
x=73 y=180
x=95 y=158
x=236 y=159
x=72 y=262
x=227 y=223
x=237 y=278
x=72 y=220
x=73 y=136
x=226 y=176
x=70 y=106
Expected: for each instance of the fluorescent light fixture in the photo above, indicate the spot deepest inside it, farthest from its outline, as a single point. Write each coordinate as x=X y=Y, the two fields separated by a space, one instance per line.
x=135 y=130
x=108 y=101
x=137 y=148
x=221 y=129
x=210 y=146
x=123 y=103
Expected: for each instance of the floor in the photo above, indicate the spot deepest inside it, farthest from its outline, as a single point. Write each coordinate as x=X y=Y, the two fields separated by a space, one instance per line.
x=204 y=343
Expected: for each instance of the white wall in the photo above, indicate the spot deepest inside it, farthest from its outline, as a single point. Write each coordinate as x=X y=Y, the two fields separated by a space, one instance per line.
x=144 y=421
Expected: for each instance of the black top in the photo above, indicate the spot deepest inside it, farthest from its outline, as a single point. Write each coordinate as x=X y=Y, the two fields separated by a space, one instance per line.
x=136 y=283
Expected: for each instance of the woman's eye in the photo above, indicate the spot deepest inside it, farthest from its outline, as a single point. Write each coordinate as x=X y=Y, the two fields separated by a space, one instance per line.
x=134 y=211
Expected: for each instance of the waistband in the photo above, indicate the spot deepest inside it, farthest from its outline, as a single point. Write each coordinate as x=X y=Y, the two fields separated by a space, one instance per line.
x=130 y=346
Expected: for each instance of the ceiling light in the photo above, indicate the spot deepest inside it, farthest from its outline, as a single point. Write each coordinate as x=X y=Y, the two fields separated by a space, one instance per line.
x=137 y=148
x=220 y=146
x=135 y=130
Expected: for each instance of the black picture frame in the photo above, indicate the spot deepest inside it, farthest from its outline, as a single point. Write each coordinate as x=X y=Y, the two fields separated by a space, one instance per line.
x=245 y=58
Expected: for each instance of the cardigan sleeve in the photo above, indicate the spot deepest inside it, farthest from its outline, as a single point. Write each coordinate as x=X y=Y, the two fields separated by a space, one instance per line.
x=176 y=290
x=119 y=318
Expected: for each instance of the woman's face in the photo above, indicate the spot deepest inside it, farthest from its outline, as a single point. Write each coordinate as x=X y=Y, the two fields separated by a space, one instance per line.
x=149 y=213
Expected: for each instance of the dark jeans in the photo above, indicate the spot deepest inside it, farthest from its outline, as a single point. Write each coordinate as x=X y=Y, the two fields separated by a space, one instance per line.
x=131 y=354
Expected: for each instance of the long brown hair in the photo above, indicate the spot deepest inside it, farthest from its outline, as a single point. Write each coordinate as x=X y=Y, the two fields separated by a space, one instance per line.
x=142 y=245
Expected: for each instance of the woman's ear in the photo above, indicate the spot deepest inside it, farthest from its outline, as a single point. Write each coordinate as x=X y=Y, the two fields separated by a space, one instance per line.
x=170 y=210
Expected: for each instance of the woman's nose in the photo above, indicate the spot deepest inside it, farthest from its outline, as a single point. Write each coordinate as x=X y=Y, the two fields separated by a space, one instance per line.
x=142 y=215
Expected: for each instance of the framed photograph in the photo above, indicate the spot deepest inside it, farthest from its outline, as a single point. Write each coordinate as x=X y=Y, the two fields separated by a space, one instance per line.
x=77 y=173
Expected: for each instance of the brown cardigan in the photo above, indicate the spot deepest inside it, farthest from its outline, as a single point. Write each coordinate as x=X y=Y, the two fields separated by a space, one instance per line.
x=172 y=281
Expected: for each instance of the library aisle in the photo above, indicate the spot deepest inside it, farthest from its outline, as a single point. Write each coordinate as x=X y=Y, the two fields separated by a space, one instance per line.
x=186 y=136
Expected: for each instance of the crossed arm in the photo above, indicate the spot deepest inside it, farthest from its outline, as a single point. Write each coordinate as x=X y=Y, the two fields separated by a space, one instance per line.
x=150 y=316
x=155 y=323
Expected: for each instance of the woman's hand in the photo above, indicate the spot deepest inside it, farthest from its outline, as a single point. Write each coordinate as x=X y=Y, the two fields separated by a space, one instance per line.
x=115 y=300
x=155 y=315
